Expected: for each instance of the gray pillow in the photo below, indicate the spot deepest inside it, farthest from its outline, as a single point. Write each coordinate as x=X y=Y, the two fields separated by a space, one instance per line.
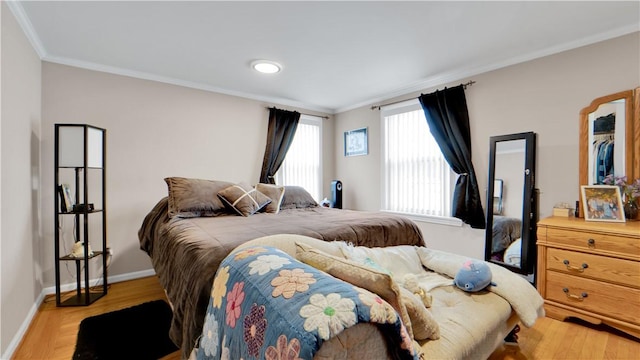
x=195 y=197
x=275 y=193
x=243 y=199
x=296 y=197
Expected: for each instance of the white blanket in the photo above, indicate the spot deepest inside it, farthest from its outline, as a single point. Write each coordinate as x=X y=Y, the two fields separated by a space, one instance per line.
x=521 y=295
x=405 y=259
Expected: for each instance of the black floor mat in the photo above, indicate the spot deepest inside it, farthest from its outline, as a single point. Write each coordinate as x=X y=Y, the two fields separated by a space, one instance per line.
x=138 y=332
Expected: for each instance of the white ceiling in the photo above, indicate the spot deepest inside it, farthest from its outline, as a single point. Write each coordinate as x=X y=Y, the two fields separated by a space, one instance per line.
x=336 y=55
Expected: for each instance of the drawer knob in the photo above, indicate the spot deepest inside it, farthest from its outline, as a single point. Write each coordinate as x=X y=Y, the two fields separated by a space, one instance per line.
x=580 y=297
x=570 y=267
x=591 y=243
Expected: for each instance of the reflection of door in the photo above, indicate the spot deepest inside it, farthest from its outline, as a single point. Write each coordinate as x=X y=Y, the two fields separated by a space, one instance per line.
x=509 y=162
x=497 y=197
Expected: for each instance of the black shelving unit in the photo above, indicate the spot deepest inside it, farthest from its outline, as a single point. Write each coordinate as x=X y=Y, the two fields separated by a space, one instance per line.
x=80 y=151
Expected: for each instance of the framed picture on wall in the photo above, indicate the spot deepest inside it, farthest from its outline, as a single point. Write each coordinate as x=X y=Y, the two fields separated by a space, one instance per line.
x=602 y=203
x=356 y=142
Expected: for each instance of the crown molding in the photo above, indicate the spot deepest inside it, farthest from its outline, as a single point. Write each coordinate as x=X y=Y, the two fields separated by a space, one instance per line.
x=23 y=20
x=465 y=73
x=27 y=27
x=434 y=81
x=189 y=84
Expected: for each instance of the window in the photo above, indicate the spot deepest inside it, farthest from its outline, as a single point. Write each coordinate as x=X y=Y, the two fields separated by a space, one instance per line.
x=416 y=177
x=302 y=165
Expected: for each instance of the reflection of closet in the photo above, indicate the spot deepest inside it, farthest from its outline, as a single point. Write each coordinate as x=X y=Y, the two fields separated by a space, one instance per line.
x=604 y=128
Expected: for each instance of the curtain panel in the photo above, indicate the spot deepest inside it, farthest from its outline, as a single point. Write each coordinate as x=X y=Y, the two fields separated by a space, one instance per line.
x=448 y=118
x=282 y=128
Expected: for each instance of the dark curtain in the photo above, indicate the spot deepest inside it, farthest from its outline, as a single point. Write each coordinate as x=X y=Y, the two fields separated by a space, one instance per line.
x=448 y=118
x=282 y=128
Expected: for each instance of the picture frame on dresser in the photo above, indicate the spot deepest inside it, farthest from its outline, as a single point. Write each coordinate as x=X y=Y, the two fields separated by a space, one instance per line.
x=602 y=203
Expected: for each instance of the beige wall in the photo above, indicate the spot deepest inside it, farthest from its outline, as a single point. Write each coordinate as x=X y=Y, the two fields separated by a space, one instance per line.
x=544 y=96
x=20 y=241
x=154 y=130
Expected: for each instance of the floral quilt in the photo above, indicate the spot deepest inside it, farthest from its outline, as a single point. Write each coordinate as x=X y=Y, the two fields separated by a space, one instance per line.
x=267 y=305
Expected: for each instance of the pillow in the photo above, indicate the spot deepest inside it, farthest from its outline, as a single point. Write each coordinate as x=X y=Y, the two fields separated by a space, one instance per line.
x=275 y=193
x=377 y=282
x=423 y=324
x=512 y=254
x=399 y=260
x=243 y=199
x=194 y=197
x=296 y=197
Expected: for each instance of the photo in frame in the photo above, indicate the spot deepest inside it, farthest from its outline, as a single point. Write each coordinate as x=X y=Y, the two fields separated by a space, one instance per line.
x=356 y=142
x=602 y=203
x=66 y=201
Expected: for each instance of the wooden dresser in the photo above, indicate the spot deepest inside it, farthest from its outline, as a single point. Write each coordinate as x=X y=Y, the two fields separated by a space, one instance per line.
x=590 y=270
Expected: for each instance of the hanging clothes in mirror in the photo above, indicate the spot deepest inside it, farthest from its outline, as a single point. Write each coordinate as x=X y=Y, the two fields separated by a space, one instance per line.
x=603 y=145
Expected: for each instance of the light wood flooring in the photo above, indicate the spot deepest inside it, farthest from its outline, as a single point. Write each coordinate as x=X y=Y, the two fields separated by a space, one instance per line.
x=52 y=334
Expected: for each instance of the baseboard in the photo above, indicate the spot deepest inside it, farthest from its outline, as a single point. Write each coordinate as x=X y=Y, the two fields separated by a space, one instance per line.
x=13 y=345
x=95 y=282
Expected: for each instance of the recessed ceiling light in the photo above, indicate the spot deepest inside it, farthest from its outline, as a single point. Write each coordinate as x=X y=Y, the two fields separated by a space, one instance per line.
x=266 y=66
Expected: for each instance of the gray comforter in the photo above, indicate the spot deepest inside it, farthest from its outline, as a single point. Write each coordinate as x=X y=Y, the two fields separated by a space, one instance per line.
x=185 y=253
x=505 y=231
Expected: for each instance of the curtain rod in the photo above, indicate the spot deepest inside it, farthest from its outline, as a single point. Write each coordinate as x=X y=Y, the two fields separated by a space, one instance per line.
x=374 y=107
x=320 y=116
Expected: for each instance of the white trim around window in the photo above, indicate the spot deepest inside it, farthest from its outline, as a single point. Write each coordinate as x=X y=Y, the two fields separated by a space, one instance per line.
x=416 y=180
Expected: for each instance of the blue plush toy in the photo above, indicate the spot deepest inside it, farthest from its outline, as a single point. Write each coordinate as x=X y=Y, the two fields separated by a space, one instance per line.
x=473 y=276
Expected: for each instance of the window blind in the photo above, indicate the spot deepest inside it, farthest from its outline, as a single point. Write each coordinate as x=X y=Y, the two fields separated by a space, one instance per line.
x=301 y=166
x=416 y=176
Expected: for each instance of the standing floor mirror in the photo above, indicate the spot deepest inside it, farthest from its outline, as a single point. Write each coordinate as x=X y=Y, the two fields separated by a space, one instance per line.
x=512 y=203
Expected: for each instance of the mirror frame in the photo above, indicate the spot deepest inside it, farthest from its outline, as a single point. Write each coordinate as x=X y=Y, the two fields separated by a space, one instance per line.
x=632 y=136
x=529 y=204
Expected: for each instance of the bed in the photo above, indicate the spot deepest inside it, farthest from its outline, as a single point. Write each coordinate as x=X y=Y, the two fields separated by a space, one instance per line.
x=505 y=232
x=188 y=233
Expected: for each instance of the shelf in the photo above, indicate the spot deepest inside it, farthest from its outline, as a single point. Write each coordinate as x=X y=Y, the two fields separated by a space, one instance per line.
x=82 y=299
x=72 y=258
x=81 y=212
x=75 y=167
x=80 y=149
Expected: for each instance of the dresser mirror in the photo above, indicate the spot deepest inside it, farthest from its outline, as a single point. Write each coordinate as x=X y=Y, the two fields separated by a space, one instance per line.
x=511 y=202
x=609 y=138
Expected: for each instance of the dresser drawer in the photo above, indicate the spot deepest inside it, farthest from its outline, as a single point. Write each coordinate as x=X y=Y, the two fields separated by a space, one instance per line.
x=623 y=272
x=591 y=295
x=595 y=242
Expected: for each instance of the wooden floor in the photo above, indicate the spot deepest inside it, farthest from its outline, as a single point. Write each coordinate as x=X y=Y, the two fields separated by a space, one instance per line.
x=52 y=334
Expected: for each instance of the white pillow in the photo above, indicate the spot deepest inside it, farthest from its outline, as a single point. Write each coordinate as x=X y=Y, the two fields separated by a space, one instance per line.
x=396 y=260
x=512 y=254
